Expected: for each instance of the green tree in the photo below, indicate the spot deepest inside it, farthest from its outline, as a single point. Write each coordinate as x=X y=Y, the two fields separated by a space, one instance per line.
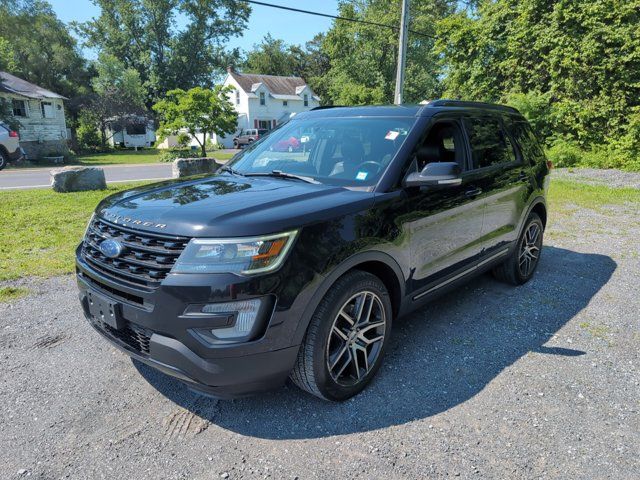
x=363 y=58
x=572 y=66
x=198 y=110
x=273 y=57
x=113 y=76
x=170 y=43
x=36 y=45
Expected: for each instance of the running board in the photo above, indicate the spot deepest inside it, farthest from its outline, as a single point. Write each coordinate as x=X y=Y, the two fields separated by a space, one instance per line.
x=462 y=274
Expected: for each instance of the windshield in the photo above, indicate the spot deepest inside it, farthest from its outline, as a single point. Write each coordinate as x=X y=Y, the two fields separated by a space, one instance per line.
x=338 y=151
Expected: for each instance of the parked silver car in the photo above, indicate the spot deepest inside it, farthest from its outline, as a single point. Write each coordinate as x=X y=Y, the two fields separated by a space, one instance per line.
x=10 y=150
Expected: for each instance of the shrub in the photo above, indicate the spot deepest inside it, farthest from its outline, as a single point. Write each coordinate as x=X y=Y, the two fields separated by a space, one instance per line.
x=87 y=135
x=171 y=154
x=183 y=139
x=565 y=153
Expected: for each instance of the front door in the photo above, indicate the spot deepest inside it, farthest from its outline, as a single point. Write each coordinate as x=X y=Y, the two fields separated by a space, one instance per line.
x=441 y=225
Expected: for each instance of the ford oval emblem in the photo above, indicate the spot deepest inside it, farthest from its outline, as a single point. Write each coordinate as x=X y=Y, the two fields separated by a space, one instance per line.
x=111 y=248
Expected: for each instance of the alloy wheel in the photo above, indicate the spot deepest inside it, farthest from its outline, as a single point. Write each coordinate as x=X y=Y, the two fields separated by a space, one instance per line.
x=356 y=338
x=529 y=252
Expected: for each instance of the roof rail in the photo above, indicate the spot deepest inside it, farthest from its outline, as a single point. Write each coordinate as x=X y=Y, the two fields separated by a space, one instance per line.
x=325 y=107
x=461 y=103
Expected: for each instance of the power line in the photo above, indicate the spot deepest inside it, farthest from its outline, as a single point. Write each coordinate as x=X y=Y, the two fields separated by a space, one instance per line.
x=326 y=15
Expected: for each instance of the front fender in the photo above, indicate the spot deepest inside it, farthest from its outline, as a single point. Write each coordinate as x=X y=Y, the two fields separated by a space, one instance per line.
x=350 y=263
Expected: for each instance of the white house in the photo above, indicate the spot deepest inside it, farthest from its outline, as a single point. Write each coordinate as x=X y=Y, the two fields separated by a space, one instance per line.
x=262 y=101
x=43 y=127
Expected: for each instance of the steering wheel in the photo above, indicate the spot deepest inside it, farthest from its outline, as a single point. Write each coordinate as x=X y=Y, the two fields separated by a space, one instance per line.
x=366 y=166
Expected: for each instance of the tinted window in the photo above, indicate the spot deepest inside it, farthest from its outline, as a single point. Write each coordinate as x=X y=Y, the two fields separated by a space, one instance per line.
x=526 y=140
x=489 y=143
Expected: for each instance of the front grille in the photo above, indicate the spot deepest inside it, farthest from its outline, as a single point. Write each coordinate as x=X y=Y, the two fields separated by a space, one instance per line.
x=146 y=260
x=132 y=335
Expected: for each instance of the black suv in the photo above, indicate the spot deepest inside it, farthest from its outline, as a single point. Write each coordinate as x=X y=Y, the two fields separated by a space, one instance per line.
x=294 y=264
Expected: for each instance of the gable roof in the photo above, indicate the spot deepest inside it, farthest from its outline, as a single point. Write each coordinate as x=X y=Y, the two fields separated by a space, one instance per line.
x=12 y=84
x=275 y=84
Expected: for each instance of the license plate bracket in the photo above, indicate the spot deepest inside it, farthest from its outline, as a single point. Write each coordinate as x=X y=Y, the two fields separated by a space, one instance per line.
x=103 y=309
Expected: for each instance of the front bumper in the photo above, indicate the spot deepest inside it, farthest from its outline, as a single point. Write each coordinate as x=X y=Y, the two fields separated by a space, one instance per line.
x=156 y=331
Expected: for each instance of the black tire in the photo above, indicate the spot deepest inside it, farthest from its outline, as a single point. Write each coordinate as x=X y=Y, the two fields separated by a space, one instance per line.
x=3 y=160
x=513 y=269
x=236 y=145
x=312 y=369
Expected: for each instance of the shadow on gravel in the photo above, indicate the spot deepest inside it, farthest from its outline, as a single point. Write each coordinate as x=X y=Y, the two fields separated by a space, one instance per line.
x=439 y=356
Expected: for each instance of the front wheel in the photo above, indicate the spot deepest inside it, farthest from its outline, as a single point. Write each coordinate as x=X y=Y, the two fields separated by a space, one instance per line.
x=522 y=263
x=346 y=339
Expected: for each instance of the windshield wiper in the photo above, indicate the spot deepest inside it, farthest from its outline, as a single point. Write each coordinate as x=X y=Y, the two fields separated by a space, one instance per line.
x=281 y=174
x=231 y=170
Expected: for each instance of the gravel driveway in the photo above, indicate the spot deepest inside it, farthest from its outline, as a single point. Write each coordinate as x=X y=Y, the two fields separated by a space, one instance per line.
x=488 y=382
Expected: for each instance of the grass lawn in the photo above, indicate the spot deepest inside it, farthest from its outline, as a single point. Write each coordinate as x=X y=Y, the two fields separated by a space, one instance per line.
x=117 y=157
x=39 y=229
x=120 y=157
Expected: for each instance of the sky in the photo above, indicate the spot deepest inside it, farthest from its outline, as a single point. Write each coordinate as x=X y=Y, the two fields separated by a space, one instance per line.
x=293 y=28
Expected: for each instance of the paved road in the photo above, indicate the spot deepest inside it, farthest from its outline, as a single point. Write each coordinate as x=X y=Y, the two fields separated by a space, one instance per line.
x=488 y=382
x=16 y=179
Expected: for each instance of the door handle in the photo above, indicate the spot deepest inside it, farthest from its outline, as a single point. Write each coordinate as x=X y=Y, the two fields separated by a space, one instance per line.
x=473 y=192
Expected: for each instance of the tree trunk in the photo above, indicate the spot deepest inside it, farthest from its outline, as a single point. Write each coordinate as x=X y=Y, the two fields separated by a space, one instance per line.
x=203 y=145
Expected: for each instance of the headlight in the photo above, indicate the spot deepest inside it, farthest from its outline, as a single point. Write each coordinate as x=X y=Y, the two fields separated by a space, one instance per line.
x=246 y=256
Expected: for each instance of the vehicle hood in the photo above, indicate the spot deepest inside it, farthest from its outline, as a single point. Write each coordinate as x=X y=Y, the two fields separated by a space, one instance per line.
x=227 y=205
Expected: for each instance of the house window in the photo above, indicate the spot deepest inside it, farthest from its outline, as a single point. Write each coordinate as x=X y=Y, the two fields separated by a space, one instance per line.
x=262 y=99
x=237 y=97
x=19 y=108
x=47 y=110
x=285 y=103
x=306 y=100
x=136 y=129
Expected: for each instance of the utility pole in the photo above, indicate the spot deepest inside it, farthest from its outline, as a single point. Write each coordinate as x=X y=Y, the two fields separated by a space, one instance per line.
x=402 y=52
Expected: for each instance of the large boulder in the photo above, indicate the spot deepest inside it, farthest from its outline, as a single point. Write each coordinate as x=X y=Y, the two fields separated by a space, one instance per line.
x=77 y=179
x=185 y=167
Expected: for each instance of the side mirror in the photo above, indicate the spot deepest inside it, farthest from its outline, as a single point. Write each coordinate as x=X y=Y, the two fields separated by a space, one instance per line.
x=437 y=174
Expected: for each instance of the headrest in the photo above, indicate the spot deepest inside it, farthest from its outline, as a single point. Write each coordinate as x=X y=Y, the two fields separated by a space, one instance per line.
x=429 y=154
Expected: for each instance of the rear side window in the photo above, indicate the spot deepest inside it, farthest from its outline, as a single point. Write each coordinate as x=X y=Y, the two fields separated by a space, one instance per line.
x=489 y=143
x=526 y=140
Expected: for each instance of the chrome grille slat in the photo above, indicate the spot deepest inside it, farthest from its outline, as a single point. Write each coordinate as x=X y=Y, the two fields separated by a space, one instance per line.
x=140 y=263
x=147 y=258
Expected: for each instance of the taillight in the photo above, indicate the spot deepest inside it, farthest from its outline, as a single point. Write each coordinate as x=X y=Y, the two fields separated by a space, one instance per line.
x=549 y=164
x=14 y=134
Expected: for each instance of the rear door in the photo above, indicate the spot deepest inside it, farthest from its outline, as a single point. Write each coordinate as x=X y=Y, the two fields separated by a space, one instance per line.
x=501 y=178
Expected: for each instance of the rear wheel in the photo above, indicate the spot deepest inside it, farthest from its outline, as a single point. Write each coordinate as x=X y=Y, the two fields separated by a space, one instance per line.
x=3 y=160
x=346 y=339
x=522 y=264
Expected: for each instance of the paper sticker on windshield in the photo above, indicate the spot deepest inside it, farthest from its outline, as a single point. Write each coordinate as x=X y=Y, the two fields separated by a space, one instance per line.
x=392 y=135
x=362 y=175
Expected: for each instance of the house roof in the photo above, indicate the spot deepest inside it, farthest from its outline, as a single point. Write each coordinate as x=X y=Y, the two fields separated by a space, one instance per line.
x=275 y=84
x=12 y=84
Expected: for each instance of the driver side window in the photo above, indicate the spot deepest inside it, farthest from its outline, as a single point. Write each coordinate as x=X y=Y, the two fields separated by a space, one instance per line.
x=444 y=143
